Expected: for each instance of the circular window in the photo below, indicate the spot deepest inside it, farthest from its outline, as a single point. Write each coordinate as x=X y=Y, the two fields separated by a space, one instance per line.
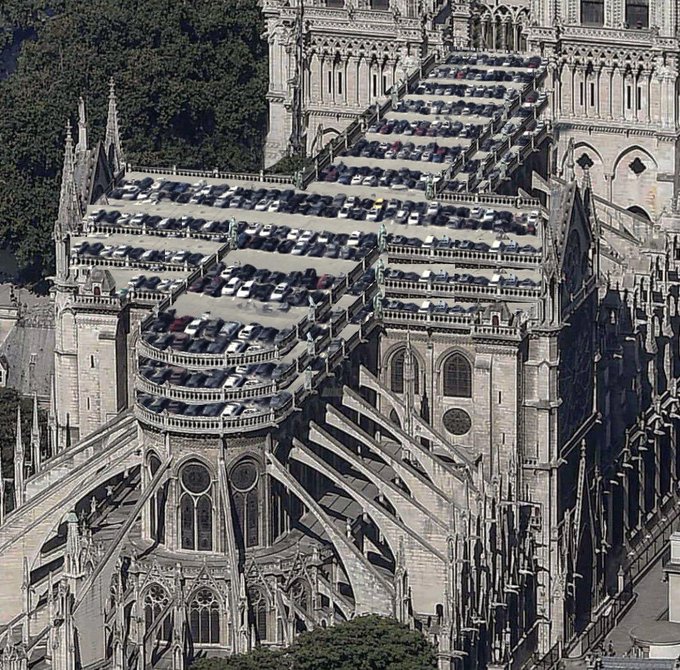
x=195 y=478
x=244 y=476
x=457 y=421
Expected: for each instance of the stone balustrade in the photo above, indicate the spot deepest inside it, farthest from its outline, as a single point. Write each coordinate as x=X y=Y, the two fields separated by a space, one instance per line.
x=207 y=361
x=464 y=323
x=462 y=257
x=201 y=425
x=432 y=290
x=214 y=174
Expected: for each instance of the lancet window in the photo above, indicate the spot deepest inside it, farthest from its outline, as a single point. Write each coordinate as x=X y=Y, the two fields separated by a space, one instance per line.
x=204 y=617
x=196 y=508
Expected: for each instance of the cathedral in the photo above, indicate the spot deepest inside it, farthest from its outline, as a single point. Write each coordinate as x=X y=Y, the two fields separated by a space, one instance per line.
x=433 y=375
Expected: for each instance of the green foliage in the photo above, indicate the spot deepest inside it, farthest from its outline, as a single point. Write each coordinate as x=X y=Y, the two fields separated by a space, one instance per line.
x=191 y=79
x=364 y=643
x=258 y=659
x=288 y=165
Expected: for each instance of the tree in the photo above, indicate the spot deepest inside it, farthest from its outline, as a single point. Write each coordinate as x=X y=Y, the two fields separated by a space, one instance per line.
x=364 y=643
x=191 y=79
x=258 y=659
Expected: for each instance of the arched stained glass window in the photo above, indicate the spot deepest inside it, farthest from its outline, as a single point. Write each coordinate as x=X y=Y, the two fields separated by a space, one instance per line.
x=156 y=503
x=204 y=617
x=155 y=603
x=196 y=513
x=397 y=383
x=244 y=477
x=258 y=612
x=299 y=593
x=457 y=377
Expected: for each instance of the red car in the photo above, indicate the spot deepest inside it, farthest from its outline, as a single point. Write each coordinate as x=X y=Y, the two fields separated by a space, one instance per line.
x=178 y=325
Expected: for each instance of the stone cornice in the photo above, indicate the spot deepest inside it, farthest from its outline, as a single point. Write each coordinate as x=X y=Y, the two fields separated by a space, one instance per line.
x=602 y=126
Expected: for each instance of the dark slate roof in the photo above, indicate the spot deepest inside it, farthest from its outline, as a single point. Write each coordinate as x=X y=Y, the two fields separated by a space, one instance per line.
x=29 y=350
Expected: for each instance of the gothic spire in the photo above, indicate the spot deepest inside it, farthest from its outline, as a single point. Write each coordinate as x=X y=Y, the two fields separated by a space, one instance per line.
x=70 y=212
x=18 y=464
x=52 y=419
x=112 y=144
x=81 y=147
x=35 y=436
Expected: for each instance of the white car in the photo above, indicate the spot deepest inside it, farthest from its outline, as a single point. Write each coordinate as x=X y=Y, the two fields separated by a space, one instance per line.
x=344 y=212
x=414 y=219
x=237 y=347
x=356 y=180
x=249 y=332
x=263 y=205
x=533 y=217
x=232 y=409
x=266 y=230
x=180 y=257
x=234 y=381
x=307 y=236
x=233 y=285
x=433 y=208
x=253 y=229
x=274 y=207
x=293 y=235
x=300 y=248
x=354 y=239
x=489 y=216
x=279 y=292
x=193 y=327
x=245 y=289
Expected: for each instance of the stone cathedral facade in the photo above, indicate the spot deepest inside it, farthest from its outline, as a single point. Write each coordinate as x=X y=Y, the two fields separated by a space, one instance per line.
x=470 y=426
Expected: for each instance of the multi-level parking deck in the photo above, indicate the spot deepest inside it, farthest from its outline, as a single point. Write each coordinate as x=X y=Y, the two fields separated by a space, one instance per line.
x=261 y=288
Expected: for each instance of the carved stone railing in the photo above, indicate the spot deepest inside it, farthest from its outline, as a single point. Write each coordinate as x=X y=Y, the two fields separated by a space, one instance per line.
x=463 y=257
x=205 y=395
x=458 y=322
x=211 y=425
x=187 y=233
x=136 y=264
x=434 y=290
x=174 y=171
x=209 y=361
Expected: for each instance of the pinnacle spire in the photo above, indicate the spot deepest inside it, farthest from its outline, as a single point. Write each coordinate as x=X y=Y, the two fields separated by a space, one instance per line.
x=35 y=436
x=52 y=420
x=81 y=147
x=112 y=143
x=70 y=212
x=18 y=464
x=69 y=204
